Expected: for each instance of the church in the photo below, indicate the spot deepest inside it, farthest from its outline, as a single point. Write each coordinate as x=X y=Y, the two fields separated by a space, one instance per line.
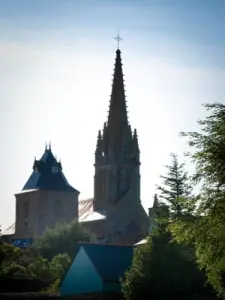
x=115 y=214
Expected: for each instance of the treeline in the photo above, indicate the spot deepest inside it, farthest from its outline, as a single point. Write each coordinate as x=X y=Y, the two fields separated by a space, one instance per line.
x=185 y=250
x=48 y=258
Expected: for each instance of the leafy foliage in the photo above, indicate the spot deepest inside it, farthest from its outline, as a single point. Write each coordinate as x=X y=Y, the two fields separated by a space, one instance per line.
x=8 y=254
x=208 y=147
x=29 y=264
x=48 y=259
x=14 y=261
x=55 y=268
x=53 y=289
x=59 y=264
x=206 y=230
x=61 y=239
x=157 y=267
x=40 y=267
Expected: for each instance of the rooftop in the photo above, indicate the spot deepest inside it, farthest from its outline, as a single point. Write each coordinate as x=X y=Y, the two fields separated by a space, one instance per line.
x=120 y=258
x=47 y=175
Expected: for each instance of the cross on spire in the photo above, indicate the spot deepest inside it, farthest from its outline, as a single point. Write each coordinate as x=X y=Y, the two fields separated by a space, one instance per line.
x=118 y=38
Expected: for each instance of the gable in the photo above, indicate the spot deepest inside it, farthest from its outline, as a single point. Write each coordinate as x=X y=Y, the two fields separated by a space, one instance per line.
x=110 y=261
x=82 y=277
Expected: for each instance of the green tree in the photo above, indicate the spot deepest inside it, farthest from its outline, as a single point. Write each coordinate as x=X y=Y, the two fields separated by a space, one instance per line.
x=175 y=189
x=28 y=263
x=61 y=239
x=59 y=265
x=8 y=254
x=14 y=261
x=55 y=268
x=206 y=231
x=161 y=269
x=40 y=268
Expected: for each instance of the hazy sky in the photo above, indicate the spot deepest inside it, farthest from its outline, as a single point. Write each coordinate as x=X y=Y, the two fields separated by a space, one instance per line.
x=56 y=66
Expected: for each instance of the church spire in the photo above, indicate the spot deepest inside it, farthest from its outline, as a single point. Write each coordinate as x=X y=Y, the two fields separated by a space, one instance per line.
x=117 y=108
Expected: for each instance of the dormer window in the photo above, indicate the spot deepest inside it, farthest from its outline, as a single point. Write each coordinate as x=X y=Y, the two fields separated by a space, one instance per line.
x=55 y=169
x=103 y=153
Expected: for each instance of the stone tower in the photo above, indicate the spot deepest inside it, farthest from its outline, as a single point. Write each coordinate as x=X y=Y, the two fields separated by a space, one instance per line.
x=117 y=168
x=46 y=198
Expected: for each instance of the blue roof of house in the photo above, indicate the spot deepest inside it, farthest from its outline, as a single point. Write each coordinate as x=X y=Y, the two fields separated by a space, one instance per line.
x=47 y=174
x=22 y=243
x=110 y=261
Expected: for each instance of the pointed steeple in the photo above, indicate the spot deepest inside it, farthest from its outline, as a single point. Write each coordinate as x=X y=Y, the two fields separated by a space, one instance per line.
x=117 y=109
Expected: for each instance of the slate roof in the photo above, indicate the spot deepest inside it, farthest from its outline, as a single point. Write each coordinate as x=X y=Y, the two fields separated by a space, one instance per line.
x=48 y=175
x=85 y=208
x=110 y=261
x=22 y=243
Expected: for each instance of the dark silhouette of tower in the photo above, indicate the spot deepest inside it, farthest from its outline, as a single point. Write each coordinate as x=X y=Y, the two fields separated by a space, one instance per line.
x=117 y=163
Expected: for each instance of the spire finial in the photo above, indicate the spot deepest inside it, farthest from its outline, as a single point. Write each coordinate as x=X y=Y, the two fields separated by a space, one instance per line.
x=46 y=146
x=50 y=146
x=118 y=38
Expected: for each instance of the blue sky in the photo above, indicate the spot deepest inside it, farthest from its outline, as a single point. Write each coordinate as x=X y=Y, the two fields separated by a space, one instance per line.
x=56 y=64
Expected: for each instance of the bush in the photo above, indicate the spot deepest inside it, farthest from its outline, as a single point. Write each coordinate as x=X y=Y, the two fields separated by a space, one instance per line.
x=61 y=239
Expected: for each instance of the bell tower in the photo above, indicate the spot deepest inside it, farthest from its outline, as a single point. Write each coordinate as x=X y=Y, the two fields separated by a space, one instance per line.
x=46 y=199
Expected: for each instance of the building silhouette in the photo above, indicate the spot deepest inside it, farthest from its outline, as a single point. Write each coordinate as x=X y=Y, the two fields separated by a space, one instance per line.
x=115 y=214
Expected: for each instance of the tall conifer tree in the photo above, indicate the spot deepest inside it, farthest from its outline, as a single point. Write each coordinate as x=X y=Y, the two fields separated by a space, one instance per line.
x=175 y=189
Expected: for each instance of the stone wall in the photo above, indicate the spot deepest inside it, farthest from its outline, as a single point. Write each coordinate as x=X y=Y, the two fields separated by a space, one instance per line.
x=47 y=211
x=42 y=211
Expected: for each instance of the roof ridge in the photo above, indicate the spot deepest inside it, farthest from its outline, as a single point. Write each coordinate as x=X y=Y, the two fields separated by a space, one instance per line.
x=103 y=244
